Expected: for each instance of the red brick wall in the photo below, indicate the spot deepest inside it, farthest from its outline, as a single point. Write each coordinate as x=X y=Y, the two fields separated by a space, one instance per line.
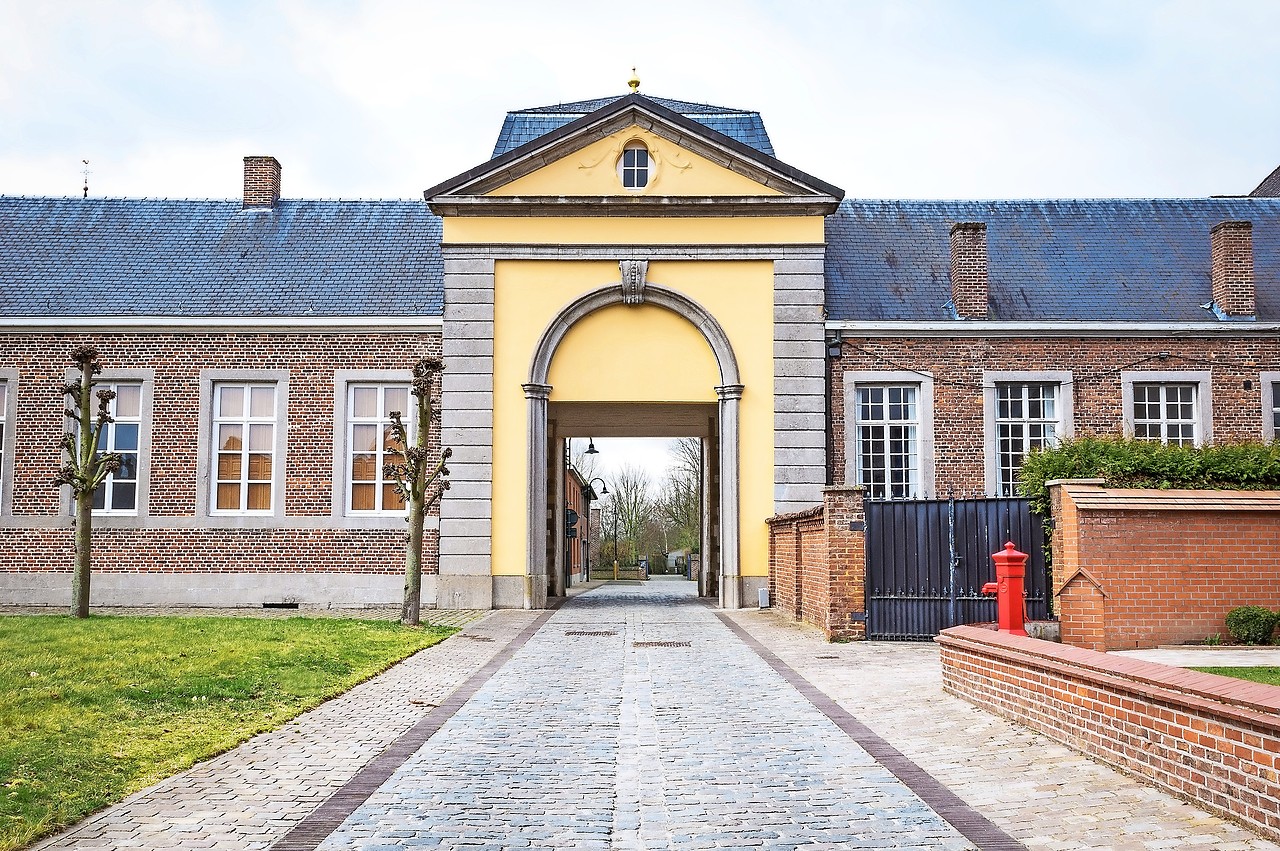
x=1231 y=267
x=817 y=564
x=1158 y=576
x=1211 y=739
x=172 y=455
x=957 y=366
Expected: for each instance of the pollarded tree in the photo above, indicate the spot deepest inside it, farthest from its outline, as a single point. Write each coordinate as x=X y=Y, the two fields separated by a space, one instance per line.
x=86 y=467
x=419 y=482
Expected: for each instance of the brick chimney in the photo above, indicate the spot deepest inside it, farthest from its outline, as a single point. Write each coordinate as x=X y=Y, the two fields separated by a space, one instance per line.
x=969 y=269
x=261 y=181
x=1231 y=268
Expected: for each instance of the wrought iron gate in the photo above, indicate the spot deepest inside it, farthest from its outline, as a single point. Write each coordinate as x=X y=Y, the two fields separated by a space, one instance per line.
x=928 y=559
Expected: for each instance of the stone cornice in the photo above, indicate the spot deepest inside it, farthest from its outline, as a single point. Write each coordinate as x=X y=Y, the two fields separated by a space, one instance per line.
x=636 y=206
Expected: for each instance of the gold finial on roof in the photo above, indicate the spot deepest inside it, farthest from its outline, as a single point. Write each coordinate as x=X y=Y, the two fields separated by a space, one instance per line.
x=634 y=82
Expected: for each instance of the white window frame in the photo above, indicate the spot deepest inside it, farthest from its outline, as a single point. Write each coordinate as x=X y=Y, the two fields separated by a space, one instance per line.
x=382 y=420
x=9 y=378
x=991 y=409
x=206 y=471
x=924 y=434
x=140 y=516
x=342 y=380
x=108 y=484
x=1270 y=401
x=1203 y=381
x=624 y=169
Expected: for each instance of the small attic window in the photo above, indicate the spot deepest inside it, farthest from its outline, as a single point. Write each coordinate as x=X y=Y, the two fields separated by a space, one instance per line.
x=635 y=166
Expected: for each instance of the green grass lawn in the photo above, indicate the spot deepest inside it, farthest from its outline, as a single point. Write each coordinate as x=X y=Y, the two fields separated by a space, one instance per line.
x=1261 y=674
x=95 y=709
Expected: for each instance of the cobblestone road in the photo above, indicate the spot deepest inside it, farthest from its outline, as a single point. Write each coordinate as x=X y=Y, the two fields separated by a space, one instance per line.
x=656 y=729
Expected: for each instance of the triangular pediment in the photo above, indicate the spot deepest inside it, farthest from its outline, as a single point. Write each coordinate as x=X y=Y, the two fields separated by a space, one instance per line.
x=574 y=171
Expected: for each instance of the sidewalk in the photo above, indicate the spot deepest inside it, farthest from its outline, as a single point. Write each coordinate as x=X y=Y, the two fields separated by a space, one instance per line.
x=634 y=719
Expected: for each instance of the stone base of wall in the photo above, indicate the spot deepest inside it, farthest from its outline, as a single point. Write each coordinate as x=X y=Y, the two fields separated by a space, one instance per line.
x=339 y=590
x=1212 y=740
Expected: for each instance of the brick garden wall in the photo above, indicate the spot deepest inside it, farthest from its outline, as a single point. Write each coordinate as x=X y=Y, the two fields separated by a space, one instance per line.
x=1210 y=739
x=1137 y=568
x=1095 y=363
x=817 y=564
x=171 y=537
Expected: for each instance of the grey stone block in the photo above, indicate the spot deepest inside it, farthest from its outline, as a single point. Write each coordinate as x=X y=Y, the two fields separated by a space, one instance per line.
x=789 y=421
x=508 y=592
x=812 y=348
x=811 y=457
x=196 y=589
x=468 y=382
x=470 y=329
x=456 y=312
x=795 y=403
x=453 y=510
x=804 y=386
x=808 y=266
x=799 y=313
x=798 y=331
x=453 y=544
x=806 y=439
x=475 y=564
x=807 y=367
x=455 y=436
x=751 y=585
x=461 y=418
x=464 y=592
x=457 y=266
x=799 y=297
x=469 y=400
x=796 y=475
x=454 y=346
x=468 y=295
x=469 y=454
x=481 y=490
x=788 y=497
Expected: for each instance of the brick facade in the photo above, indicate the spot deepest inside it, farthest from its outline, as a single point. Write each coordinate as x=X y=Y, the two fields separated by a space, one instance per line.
x=170 y=535
x=1134 y=569
x=817 y=564
x=1210 y=739
x=969 y=269
x=1096 y=366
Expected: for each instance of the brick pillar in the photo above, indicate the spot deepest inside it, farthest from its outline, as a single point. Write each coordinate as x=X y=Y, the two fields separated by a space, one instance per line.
x=969 y=269
x=261 y=181
x=1231 y=267
x=845 y=526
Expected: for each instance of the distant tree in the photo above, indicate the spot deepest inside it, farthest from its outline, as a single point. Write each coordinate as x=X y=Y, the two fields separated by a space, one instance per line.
x=85 y=467
x=679 y=502
x=419 y=482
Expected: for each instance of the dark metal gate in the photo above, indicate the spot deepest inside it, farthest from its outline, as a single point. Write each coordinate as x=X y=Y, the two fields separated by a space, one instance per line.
x=928 y=559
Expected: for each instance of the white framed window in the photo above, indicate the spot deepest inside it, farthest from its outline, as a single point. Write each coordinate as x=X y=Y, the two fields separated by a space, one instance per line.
x=1022 y=411
x=635 y=166
x=118 y=493
x=1168 y=407
x=889 y=434
x=371 y=445
x=244 y=442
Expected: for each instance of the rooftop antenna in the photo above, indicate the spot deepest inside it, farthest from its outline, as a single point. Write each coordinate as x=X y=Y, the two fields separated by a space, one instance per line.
x=86 y=177
x=634 y=82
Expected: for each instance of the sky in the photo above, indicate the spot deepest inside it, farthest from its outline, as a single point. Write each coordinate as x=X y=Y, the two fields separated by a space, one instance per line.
x=382 y=99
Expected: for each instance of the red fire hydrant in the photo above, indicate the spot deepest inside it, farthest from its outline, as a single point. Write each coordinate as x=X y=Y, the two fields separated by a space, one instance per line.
x=1011 y=570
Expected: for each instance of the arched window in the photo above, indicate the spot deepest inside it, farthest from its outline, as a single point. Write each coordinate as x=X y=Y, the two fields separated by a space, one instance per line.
x=635 y=166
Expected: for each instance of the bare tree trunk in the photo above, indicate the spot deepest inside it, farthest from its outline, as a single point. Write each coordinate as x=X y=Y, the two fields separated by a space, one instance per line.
x=84 y=537
x=411 y=611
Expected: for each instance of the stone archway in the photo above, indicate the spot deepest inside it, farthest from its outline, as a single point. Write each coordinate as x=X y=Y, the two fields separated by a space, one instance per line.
x=633 y=290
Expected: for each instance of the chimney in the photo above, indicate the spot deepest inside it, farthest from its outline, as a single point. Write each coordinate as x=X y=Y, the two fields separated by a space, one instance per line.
x=969 y=269
x=261 y=182
x=1231 y=268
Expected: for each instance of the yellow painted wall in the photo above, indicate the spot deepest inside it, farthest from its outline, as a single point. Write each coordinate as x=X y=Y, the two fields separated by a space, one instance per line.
x=593 y=170
x=631 y=354
x=603 y=230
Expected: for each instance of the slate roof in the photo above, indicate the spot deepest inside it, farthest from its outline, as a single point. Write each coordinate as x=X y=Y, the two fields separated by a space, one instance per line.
x=141 y=257
x=525 y=125
x=1075 y=260
x=1269 y=187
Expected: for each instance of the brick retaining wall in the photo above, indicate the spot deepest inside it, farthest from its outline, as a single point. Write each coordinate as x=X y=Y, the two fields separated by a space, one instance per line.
x=1139 y=568
x=1213 y=740
x=817 y=564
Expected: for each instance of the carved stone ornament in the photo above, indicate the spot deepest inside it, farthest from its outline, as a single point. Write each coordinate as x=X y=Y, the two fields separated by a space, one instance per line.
x=633 y=272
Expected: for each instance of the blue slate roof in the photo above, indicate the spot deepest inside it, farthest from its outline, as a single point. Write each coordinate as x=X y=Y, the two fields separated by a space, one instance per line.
x=71 y=256
x=525 y=125
x=1087 y=260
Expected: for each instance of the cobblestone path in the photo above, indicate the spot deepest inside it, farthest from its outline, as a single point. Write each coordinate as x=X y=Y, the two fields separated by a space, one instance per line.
x=635 y=719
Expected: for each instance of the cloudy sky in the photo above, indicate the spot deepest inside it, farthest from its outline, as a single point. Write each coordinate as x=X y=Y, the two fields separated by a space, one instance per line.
x=915 y=98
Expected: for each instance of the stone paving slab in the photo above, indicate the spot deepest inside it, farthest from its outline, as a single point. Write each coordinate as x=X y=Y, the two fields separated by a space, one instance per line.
x=1208 y=657
x=1042 y=793
x=252 y=795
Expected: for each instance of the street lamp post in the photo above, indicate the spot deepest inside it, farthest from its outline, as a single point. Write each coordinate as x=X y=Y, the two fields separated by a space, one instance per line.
x=588 y=495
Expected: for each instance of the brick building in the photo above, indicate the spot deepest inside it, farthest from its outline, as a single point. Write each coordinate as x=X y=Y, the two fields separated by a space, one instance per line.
x=920 y=348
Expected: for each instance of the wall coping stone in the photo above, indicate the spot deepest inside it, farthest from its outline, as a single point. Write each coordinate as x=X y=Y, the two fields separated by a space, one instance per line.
x=1254 y=704
x=1092 y=497
x=795 y=516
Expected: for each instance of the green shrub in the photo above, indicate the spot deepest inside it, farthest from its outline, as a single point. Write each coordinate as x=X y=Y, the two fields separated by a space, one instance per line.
x=1128 y=463
x=1252 y=624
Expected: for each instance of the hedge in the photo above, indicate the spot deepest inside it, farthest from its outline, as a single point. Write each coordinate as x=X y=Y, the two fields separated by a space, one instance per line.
x=1127 y=463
